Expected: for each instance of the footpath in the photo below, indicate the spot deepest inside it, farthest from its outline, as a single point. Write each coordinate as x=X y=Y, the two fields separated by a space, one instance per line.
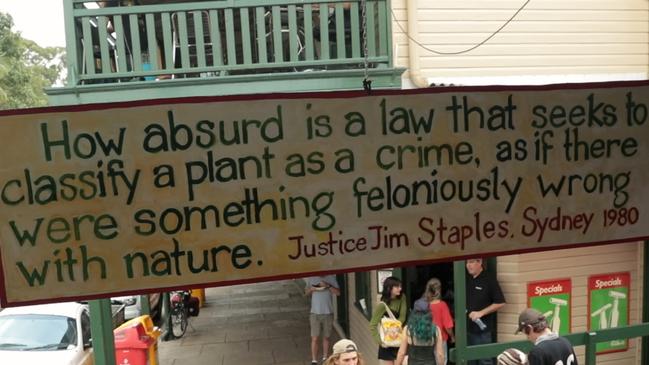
x=251 y=324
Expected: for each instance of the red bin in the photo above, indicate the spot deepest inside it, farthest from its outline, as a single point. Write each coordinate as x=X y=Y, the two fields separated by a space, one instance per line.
x=132 y=345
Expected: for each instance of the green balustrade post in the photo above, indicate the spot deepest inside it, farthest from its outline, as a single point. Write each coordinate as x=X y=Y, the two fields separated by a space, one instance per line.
x=591 y=348
x=645 y=302
x=459 y=284
x=166 y=317
x=145 y=306
x=101 y=329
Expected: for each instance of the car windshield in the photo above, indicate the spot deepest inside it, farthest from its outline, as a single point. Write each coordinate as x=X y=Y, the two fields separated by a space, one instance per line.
x=37 y=332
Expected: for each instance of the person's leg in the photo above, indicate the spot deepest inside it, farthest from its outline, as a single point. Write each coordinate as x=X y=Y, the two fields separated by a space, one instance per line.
x=327 y=326
x=479 y=339
x=315 y=333
x=445 y=352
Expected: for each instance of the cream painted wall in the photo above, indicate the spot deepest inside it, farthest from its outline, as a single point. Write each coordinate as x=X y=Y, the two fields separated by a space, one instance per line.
x=549 y=41
x=515 y=271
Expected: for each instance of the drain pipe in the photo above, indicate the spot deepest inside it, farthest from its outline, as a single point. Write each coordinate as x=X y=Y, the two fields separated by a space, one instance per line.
x=414 y=70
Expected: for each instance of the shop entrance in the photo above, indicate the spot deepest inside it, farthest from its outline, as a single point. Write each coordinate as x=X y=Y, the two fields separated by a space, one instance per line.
x=416 y=277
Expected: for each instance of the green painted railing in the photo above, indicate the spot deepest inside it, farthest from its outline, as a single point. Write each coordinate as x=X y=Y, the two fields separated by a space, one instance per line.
x=179 y=39
x=462 y=353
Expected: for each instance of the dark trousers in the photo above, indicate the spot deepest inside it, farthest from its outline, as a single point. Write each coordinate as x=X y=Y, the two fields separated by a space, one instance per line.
x=480 y=339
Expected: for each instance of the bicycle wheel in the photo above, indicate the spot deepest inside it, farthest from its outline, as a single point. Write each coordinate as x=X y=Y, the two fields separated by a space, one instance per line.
x=178 y=321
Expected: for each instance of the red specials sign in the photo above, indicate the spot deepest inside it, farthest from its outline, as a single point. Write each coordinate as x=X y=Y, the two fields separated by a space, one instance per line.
x=553 y=298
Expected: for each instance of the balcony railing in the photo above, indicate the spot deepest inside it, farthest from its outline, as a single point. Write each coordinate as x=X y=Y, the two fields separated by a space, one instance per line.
x=218 y=39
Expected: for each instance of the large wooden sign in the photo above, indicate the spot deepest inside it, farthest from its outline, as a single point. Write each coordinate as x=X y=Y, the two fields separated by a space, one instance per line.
x=112 y=198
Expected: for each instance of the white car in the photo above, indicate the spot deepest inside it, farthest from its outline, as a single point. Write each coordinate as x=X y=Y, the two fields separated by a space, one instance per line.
x=133 y=307
x=55 y=334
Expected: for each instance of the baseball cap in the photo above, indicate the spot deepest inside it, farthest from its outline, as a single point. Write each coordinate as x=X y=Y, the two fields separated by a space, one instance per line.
x=528 y=317
x=512 y=357
x=421 y=305
x=344 y=346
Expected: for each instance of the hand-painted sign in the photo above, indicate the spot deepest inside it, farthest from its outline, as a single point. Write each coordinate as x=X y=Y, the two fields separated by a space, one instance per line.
x=608 y=305
x=553 y=299
x=114 y=198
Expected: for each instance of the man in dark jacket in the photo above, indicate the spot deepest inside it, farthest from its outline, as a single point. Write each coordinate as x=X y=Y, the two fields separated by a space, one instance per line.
x=549 y=348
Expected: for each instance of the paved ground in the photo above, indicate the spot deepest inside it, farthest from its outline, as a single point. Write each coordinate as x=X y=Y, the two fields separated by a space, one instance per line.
x=253 y=324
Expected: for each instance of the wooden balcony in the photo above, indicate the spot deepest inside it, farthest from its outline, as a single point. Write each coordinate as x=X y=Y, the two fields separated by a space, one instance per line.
x=127 y=50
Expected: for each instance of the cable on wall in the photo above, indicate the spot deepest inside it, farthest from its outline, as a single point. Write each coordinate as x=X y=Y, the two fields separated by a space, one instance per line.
x=466 y=50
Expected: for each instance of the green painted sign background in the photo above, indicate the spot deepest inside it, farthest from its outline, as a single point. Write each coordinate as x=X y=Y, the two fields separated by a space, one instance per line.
x=553 y=298
x=609 y=307
x=543 y=305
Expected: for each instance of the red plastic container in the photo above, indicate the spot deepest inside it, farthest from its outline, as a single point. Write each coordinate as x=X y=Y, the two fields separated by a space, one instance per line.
x=132 y=345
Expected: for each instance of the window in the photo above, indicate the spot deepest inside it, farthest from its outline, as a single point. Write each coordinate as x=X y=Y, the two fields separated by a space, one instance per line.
x=363 y=293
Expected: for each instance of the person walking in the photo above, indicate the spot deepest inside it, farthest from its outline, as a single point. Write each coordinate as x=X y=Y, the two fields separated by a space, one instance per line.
x=441 y=314
x=393 y=297
x=322 y=289
x=483 y=298
x=345 y=352
x=423 y=340
x=549 y=348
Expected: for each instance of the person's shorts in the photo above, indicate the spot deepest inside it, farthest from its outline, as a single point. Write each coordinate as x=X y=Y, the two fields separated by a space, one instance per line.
x=321 y=324
x=388 y=353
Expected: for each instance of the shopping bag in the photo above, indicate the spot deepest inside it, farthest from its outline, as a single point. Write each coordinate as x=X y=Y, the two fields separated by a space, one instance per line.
x=390 y=330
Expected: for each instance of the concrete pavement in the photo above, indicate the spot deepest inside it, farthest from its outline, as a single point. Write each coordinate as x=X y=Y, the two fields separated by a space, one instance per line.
x=251 y=324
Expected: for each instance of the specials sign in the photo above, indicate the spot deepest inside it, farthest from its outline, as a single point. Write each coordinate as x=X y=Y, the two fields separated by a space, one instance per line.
x=553 y=298
x=608 y=306
x=111 y=198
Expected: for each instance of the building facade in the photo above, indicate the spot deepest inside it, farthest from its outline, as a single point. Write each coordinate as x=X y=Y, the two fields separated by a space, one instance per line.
x=133 y=50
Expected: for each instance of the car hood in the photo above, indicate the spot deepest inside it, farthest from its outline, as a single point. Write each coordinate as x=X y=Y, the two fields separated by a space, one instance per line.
x=60 y=357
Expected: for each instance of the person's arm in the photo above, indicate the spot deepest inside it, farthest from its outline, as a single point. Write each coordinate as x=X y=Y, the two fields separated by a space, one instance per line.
x=403 y=349
x=403 y=309
x=308 y=289
x=439 y=350
x=493 y=307
x=374 y=322
x=334 y=290
x=534 y=358
x=447 y=321
x=332 y=285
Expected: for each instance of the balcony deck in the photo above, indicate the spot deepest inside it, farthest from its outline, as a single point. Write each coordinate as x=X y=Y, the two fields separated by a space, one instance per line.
x=171 y=48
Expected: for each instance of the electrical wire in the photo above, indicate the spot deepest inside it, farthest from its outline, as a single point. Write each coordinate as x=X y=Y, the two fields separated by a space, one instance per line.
x=466 y=50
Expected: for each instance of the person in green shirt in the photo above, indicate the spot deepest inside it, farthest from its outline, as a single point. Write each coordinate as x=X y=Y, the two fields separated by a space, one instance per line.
x=392 y=295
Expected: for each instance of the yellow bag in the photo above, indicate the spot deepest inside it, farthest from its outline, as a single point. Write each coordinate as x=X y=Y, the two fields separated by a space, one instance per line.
x=390 y=329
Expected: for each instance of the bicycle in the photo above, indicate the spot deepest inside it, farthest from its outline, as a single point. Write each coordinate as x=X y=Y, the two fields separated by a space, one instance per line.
x=180 y=306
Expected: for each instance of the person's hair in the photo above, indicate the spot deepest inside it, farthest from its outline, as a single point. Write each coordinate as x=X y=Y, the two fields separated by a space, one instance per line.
x=331 y=360
x=388 y=284
x=420 y=326
x=537 y=327
x=433 y=290
x=483 y=261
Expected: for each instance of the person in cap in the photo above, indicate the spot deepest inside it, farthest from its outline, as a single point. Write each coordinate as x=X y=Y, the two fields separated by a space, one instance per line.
x=345 y=352
x=512 y=357
x=549 y=348
x=423 y=340
x=483 y=298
